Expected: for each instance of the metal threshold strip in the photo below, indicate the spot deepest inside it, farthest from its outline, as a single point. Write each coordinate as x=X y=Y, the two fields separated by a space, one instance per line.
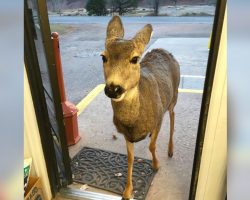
x=86 y=195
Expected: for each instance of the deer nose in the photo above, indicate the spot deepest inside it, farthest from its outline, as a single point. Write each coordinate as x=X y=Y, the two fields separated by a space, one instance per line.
x=113 y=91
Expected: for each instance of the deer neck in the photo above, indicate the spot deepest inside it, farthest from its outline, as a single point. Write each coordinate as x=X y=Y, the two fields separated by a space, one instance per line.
x=127 y=110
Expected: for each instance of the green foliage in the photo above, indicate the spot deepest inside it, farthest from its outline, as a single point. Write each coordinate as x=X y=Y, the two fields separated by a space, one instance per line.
x=123 y=6
x=96 y=7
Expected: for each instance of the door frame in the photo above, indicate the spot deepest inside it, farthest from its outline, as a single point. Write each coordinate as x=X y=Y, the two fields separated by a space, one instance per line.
x=39 y=99
x=38 y=96
x=207 y=91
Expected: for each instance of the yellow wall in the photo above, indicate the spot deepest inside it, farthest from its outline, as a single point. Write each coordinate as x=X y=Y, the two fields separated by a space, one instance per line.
x=32 y=141
x=212 y=176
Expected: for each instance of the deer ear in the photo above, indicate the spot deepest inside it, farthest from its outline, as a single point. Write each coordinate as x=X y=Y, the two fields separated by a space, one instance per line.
x=115 y=28
x=142 y=38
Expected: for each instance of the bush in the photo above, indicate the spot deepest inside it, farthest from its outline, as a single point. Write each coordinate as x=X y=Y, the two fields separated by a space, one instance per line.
x=96 y=7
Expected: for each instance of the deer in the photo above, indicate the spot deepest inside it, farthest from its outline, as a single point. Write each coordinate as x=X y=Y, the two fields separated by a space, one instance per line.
x=141 y=90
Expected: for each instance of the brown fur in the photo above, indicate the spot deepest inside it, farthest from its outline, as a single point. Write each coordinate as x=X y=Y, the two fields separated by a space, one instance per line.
x=151 y=89
x=158 y=89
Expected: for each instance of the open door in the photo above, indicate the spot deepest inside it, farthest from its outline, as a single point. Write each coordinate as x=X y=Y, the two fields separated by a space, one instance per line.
x=41 y=71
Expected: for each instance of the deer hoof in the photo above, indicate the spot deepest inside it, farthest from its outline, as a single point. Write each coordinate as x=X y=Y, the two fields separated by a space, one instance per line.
x=127 y=198
x=155 y=165
x=170 y=154
x=127 y=194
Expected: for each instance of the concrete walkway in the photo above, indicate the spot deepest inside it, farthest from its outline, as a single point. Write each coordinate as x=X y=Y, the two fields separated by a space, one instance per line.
x=173 y=178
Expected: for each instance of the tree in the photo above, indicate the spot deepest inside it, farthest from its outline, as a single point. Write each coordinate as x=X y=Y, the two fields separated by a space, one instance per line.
x=123 y=6
x=96 y=7
x=156 y=7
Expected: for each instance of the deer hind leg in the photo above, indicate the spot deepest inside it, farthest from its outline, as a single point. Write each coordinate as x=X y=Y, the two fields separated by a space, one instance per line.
x=170 y=144
x=152 y=148
x=127 y=194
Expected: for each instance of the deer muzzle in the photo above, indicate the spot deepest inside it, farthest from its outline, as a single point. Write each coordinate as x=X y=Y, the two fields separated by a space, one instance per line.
x=114 y=91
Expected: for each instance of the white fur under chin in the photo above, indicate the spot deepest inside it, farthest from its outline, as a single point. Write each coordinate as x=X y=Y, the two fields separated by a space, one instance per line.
x=120 y=98
x=128 y=95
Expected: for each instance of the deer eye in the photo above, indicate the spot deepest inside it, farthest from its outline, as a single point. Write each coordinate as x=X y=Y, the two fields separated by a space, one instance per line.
x=134 y=60
x=104 y=59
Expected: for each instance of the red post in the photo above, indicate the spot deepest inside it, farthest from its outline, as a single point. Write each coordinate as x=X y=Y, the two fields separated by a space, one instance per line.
x=69 y=109
x=55 y=39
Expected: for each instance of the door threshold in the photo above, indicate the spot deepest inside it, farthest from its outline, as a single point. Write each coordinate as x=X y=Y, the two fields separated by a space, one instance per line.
x=86 y=195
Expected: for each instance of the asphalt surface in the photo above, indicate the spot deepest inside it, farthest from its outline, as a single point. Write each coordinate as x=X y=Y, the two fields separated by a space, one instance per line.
x=133 y=20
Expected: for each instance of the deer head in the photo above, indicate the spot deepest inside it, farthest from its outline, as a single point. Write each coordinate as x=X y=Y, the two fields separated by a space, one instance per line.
x=121 y=59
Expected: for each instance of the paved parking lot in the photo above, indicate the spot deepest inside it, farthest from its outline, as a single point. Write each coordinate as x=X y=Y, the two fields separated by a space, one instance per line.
x=192 y=55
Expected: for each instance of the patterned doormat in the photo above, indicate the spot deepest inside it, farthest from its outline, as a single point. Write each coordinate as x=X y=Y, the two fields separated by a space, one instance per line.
x=108 y=171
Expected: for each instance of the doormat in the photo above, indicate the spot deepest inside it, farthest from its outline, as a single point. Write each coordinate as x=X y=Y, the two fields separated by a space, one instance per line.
x=108 y=171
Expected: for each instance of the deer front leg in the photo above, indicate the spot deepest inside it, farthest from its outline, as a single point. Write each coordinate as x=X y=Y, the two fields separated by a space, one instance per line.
x=127 y=194
x=152 y=148
x=170 y=144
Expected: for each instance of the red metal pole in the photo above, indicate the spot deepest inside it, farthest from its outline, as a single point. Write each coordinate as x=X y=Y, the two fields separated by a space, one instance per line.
x=55 y=39
x=69 y=109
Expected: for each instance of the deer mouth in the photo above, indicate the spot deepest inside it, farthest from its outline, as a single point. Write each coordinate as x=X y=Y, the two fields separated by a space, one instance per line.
x=120 y=98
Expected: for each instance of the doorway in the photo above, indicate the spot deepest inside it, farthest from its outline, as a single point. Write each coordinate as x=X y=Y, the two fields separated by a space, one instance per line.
x=84 y=42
